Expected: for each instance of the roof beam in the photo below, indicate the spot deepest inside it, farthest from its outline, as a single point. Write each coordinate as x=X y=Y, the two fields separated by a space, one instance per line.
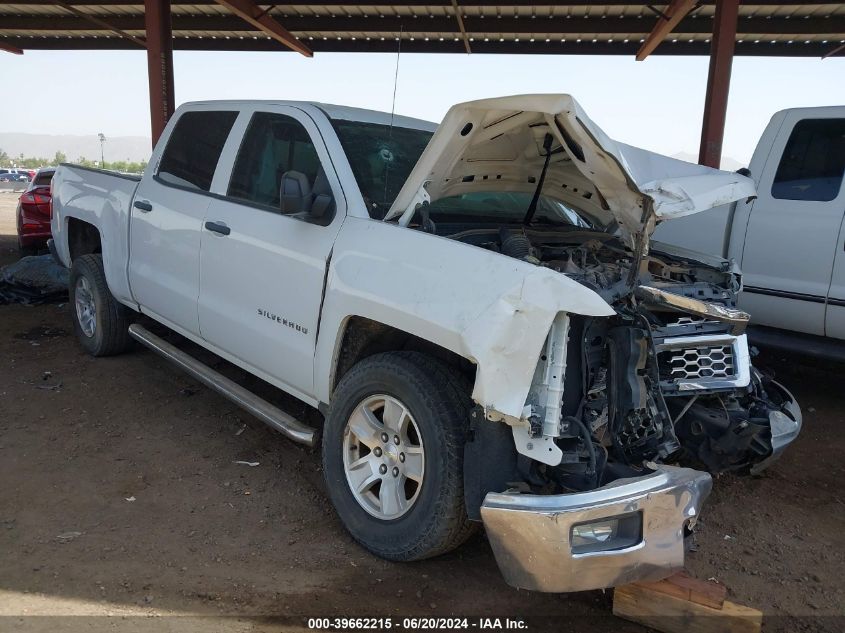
x=672 y=16
x=460 y=20
x=260 y=19
x=630 y=28
x=101 y=23
x=435 y=3
x=14 y=50
x=835 y=51
x=764 y=49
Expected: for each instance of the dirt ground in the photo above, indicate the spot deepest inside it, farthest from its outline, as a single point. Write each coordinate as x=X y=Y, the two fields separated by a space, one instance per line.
x=120 y=495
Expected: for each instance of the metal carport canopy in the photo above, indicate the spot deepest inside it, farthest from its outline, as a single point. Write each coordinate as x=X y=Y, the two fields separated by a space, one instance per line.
x=719 y=28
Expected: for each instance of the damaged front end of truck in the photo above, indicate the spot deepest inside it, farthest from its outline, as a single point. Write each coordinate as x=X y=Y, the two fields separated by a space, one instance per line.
x=623 y=415
x=593 y=472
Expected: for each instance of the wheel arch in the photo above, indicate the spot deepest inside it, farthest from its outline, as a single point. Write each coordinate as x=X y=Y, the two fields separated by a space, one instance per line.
x=83 y=238
x=361 y=337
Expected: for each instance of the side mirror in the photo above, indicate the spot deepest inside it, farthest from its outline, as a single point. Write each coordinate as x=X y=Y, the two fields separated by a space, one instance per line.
x=744 y=171
x=294 y=193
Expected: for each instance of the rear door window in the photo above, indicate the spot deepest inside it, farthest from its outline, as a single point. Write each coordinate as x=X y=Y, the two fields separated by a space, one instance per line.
x=273 y=144
x=813 y=161
x=194 y=147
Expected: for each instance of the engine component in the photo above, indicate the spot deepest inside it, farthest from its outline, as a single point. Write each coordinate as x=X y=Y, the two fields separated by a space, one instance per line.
x=516 y=245
x=730 y=431
x=668 y=377
x=724 y=437
x=640 y=427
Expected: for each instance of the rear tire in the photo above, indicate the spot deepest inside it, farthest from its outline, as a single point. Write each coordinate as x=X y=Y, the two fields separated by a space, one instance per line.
x=430 y=517
x=100 y=322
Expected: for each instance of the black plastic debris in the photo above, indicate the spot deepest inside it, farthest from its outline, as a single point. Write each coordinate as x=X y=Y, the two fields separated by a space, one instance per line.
x=33 y=280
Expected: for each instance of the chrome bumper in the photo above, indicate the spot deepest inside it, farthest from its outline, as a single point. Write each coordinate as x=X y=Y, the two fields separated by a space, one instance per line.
x=531 y=535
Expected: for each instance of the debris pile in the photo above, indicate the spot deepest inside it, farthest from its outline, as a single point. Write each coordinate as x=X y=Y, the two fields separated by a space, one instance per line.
x=33 y=280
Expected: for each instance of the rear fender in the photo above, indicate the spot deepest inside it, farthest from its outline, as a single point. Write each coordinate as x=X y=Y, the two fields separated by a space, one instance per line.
x=102 y=199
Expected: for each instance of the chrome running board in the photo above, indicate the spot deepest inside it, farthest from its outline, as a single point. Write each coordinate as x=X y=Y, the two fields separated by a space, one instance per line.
x=260 y=408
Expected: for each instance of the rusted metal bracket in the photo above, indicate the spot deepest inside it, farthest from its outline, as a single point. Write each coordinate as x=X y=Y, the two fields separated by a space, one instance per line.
x=14 y=50
x=835 y=51
x=461 y=26
x=266 y=11
x=248 y=11
x=675 y=12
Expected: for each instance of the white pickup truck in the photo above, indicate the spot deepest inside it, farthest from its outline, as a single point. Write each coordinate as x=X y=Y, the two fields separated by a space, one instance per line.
x=478 y=313
x=789 y=240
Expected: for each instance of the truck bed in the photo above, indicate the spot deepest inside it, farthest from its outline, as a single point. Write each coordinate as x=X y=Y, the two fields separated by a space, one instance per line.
x=103 y=199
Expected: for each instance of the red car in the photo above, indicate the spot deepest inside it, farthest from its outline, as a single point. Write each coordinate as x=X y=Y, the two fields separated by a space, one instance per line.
x=34 y=213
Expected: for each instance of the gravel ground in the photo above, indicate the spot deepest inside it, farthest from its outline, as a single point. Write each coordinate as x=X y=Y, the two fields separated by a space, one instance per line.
x=119 y=494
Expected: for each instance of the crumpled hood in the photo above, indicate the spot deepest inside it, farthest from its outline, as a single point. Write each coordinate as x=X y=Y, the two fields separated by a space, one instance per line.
x=497 y=145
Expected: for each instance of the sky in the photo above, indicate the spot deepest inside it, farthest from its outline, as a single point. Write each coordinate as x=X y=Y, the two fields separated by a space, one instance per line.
x=656 y=104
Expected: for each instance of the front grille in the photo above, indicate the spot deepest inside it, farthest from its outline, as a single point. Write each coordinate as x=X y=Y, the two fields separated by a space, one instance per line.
x=699 y=362
x=703 y=362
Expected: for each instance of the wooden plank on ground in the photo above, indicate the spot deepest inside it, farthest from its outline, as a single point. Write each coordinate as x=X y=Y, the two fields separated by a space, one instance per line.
x=682 y=585
x=672 y=614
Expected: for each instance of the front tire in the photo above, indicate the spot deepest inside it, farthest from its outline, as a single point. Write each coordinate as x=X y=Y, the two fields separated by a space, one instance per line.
x=393 y=456
x=100 y=322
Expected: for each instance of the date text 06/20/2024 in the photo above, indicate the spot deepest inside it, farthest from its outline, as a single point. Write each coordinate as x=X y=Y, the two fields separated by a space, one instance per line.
x=420 y=623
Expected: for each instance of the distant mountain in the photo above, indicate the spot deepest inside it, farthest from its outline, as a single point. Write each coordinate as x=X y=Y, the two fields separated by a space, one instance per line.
x=728 y=163
x=128 y=148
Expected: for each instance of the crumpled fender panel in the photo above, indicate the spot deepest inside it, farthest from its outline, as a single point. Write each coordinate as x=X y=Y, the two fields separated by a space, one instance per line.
x=489 y=308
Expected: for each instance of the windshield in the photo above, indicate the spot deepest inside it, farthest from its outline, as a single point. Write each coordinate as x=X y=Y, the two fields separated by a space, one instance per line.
x=381 y=158
x=503 y=207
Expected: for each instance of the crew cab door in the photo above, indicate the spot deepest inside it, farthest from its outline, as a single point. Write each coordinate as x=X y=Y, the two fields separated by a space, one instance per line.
x=794 y=226
x=835 y=313
x=167 y=215
x=262 y=272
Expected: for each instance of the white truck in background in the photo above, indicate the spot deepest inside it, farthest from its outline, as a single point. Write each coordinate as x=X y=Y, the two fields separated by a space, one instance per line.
x=478 y=313
x=789 y=241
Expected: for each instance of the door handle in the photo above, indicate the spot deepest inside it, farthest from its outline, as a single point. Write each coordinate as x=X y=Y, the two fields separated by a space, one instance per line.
x=218 y=227
x=143 y=205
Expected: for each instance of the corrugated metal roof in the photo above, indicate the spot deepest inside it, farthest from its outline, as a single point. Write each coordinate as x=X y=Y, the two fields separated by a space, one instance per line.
x=612 y=27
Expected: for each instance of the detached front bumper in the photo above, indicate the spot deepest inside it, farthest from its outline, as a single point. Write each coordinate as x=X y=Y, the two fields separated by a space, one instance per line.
x=785 y=425
x=539 y=540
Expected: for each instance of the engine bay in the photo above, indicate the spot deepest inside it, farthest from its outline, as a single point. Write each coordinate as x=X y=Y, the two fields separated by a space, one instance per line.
x=603 y=263
x=652 y=383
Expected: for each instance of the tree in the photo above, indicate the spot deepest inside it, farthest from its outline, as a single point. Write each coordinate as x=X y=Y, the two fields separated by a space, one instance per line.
x=60 y=157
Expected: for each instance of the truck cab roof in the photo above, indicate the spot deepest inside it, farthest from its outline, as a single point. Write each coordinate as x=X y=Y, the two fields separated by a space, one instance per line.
x=332 y=111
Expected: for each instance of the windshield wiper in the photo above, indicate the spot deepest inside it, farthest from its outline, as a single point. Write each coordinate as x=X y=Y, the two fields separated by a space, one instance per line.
x=532 y=208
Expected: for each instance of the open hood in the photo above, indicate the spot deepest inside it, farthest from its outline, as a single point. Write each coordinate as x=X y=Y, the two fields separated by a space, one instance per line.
x=497 y=145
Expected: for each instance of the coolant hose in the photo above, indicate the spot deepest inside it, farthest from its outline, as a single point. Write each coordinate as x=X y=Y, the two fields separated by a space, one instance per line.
x=591 y=450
